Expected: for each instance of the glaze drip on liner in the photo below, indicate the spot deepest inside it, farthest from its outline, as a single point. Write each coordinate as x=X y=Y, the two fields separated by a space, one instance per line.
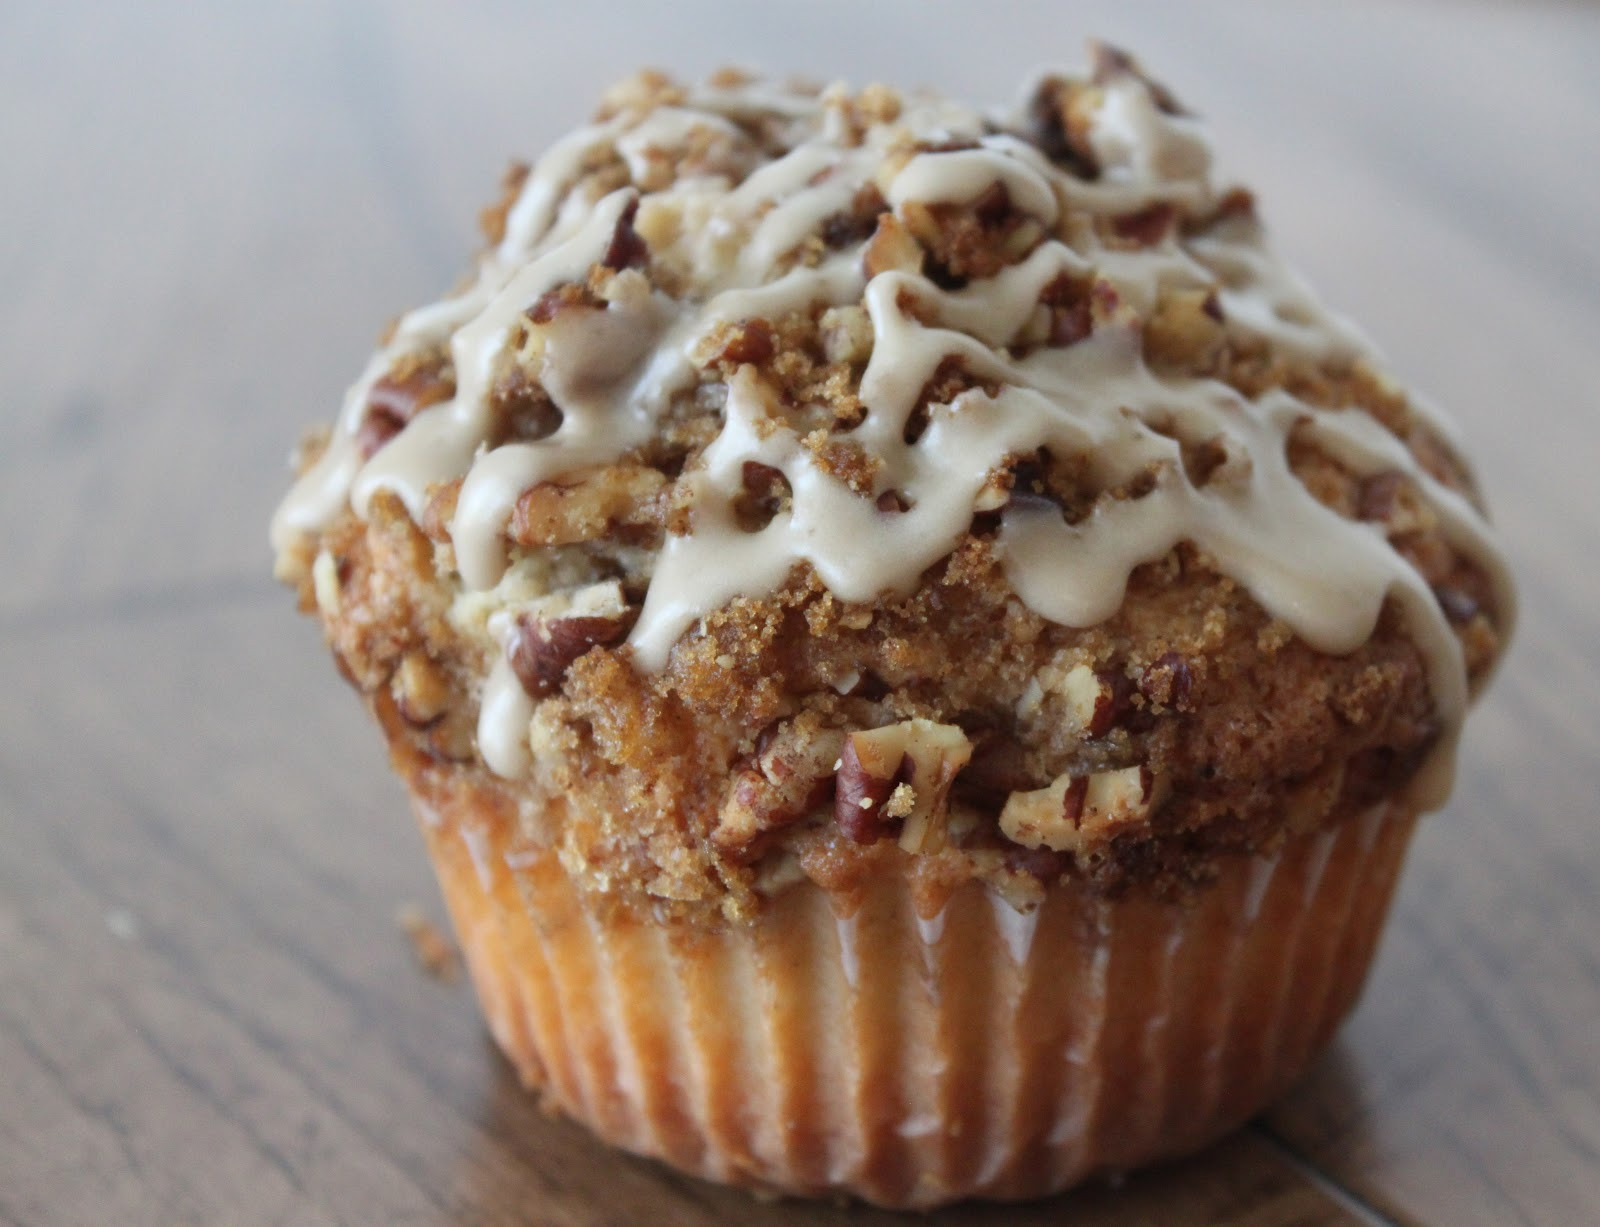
x=736 y=226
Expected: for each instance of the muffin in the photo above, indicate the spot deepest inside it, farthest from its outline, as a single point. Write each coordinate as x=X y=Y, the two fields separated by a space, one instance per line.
x=917 y=645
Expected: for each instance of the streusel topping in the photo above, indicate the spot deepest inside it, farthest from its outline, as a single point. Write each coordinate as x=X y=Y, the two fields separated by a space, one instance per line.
x=738 y=350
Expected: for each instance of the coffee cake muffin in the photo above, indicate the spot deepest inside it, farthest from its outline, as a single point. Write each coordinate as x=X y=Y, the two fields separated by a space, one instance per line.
x=916 y=643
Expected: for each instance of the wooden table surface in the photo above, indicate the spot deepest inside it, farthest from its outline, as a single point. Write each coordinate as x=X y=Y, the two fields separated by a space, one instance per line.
x=207 y=1012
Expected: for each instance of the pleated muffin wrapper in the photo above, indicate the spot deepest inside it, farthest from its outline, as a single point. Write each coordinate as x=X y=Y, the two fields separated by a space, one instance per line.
x=832 y=1047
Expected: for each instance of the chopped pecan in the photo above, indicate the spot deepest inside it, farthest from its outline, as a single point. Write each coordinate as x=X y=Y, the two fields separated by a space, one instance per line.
x=1236 y=202
x=1146 y=227
x=626 y=249
x=521 y=408
x=1054 y=122
x=398 y=397
x=999 y=767
x=542 y=650
x=751 y=341
x=421 y=689
x=1070 y=304
x=1120 y=798
x=1391 y=499
x=765 y=491
x=855 y=224
x=899 y=775
x=1096 y=700
x=1185 y=329
x=846 y=334
x=974 y=239
x=891 y=248
x=329 y=574
x=1046 y=817
x=1070 y=324
x=440 y=509
x=860 y=789
x=587 y=504
x=992 y=206
x=569 y=295
x=789 y=777
x=1078 y=811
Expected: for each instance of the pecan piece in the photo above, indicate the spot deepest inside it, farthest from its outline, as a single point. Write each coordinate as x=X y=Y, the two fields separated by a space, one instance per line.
x=440 y=509
x=587 y=504
x=421 y=689
x=765 y=491
x=1055 y=123
x=626 y=249
x=855 y=224
x=1146 y=227
x=1097 y=700
x=999 y=767
x=522 y=409
x=751 y=341
x=1046 y=817
x=1185 y=329
x=1236 y=202
x=1076 y=812
x=398 y=397
x=891 y=248
x=789 y=777
x=900 y=774
x=846 y=334
x=860 y=789
x=541 y=651
x=569 y=295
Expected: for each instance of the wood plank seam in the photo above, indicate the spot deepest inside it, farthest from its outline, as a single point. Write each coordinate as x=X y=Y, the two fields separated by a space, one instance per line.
x=1327 y=1184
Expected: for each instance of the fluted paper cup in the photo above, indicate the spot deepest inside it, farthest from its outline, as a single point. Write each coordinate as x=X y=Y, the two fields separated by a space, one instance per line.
x=913 y=1060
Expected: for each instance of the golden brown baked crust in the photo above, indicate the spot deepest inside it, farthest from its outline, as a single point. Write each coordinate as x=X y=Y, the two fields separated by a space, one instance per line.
x=732 y=766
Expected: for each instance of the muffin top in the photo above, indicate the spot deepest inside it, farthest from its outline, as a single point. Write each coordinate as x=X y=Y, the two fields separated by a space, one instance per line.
x=810 y=480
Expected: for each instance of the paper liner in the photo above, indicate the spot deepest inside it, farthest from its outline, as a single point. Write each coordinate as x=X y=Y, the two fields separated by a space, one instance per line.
x=914 y=1061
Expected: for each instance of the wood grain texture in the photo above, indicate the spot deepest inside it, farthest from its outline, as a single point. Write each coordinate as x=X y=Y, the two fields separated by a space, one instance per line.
x=207 y=1013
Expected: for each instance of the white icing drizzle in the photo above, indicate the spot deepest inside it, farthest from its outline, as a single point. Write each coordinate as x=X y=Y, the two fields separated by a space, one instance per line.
x=964 y=174
x=503 y=717
x=614 y=371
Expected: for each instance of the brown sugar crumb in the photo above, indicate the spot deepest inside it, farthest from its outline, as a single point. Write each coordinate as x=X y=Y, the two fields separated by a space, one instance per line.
x=434 y=952
x=973 y=240
x=845 y=460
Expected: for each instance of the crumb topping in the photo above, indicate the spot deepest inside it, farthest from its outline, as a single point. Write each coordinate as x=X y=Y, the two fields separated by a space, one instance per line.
x=809 y=478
